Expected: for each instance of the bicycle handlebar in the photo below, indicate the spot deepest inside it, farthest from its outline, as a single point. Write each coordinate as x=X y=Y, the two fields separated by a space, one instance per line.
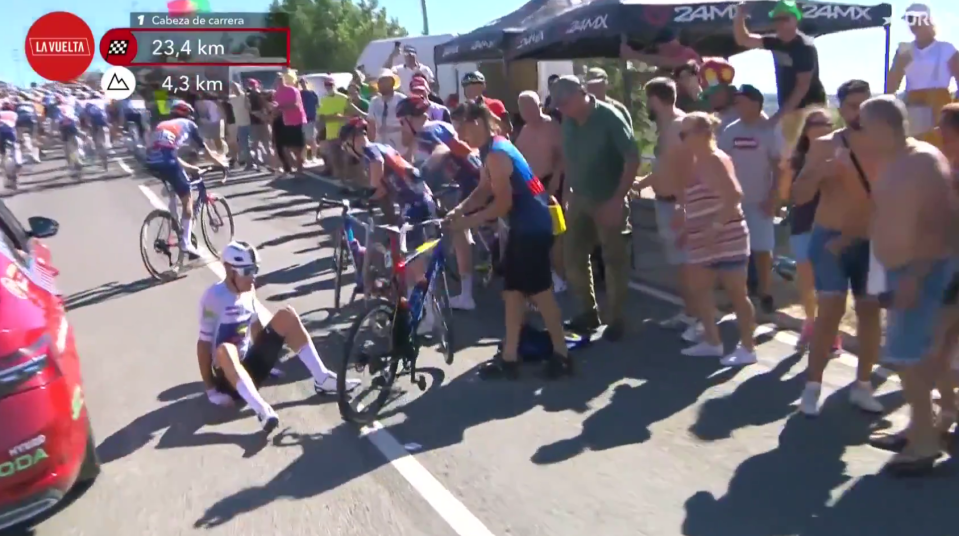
x=407 y=227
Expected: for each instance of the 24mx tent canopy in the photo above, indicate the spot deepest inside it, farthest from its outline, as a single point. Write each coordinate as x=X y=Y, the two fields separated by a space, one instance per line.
x=488 y=42
x=594 y=29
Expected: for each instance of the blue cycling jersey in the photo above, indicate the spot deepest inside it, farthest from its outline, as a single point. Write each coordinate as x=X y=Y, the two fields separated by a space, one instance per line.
x=401 y=179
x=26 y=111
x=464 y=164
x=529 y=213
x=169 y=136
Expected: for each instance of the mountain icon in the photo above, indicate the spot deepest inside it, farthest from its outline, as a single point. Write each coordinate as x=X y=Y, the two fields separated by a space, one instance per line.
x=117 y=84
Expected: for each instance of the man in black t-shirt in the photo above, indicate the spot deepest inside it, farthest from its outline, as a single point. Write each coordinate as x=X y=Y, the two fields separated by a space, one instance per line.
x=796 y=60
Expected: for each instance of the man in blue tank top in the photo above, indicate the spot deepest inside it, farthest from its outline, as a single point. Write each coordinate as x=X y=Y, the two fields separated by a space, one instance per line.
x=519 y=197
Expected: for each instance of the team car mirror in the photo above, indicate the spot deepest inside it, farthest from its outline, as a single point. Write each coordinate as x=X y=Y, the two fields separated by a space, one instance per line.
x=42 y=227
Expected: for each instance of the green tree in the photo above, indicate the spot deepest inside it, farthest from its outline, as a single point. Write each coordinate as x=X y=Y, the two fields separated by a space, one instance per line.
x=329 y=35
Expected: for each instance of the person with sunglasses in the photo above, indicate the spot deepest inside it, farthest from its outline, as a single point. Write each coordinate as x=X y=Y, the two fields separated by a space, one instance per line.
x=439 y=152
x=394 y=179
x=240 y=341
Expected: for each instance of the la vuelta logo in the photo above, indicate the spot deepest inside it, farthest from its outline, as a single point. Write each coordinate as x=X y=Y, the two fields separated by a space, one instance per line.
x=482 y=45
x=531 y=39
x=449 y=51
x=583 y=25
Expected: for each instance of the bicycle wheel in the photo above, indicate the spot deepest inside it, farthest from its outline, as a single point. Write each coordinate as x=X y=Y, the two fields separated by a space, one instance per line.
x=444 y=314
x=378 y=361
x=449 y=251
x=165 y=241
x=216 y=216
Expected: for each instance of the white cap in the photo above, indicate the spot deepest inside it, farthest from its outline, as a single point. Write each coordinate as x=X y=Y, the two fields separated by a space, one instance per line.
x=917 y=14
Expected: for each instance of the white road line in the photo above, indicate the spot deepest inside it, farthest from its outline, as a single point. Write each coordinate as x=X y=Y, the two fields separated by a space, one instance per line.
x=785 y=337
x=459 y=518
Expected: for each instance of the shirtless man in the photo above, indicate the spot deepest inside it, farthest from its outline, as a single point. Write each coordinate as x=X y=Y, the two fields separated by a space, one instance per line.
x=667 y=183
x=914 y=207
x=840 y=168
x=540 y=141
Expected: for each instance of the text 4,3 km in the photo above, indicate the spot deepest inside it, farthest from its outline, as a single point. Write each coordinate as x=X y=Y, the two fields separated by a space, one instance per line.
x=191 y=48
x=191 y=83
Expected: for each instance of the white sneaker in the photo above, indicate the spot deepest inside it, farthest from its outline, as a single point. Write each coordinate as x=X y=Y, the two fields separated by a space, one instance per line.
x=809 y=400
x=694 y=333
x=740 y=357
x=328 y=385
x=462 y=302
x=861 y=395
x=190 y=250
x=681 y=320
x=703 y=349
x=269 y=420
x=559 y=285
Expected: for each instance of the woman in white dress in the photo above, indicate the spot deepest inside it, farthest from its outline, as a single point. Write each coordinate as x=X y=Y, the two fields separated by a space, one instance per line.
x=928 y=66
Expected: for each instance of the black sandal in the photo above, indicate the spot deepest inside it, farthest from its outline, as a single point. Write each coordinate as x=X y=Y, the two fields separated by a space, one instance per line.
x=889 y=442
x=499 y=369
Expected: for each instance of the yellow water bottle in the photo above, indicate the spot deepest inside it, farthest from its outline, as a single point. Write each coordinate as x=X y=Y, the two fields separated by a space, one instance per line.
x=556 y=213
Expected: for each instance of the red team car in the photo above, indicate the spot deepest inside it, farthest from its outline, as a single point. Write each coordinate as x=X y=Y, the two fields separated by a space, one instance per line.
x=46 y=443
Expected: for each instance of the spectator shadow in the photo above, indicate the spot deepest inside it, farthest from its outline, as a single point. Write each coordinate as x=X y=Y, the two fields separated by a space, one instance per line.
x=62 y=182
x=105 y=292
x=787 y=490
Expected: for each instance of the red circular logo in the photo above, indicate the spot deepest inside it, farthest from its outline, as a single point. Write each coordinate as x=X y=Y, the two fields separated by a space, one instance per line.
x=118 y=47
x=59 y=46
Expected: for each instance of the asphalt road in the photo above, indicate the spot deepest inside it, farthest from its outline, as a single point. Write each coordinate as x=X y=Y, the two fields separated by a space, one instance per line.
x=643 y=441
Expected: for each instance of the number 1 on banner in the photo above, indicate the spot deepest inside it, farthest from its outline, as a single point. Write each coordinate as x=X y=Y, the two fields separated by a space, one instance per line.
x=141 y=20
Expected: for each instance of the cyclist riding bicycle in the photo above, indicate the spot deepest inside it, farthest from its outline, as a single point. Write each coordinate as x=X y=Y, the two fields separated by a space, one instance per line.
x=96 y=113
x=394 y=179
x=442 y=154
x=240 y=341
x=27 y=122
x=133 y=110
x=164 y=162
x=8 y=138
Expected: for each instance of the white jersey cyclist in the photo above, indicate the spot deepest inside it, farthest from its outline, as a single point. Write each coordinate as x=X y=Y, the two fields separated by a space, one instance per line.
x=240 y=341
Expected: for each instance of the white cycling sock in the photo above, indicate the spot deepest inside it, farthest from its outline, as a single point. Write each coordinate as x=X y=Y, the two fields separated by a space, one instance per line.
x=309 y=356
x=187 y=225
x=251 y=396
x=466 y=286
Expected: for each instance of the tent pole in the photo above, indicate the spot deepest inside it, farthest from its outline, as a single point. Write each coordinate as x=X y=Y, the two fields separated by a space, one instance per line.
x=627 y=86
x=885 y=68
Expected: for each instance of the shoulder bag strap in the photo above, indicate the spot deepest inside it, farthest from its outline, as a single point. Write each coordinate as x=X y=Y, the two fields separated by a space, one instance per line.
x=855 y=162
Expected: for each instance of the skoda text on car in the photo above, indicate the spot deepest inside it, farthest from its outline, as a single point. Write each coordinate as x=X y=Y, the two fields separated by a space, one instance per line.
x=46 y=444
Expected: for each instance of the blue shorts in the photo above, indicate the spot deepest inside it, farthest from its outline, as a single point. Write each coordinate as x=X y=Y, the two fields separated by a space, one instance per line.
x=8 y=136
x=98 y=121
x=173 y=175
x=838 y=274
x=26 y=121
x=51 y=111
x=417 y=213
x=66 y=131
x=133 y=116
x=762 y=229
x=675 y=254
x=799 y=245
x=910 y=333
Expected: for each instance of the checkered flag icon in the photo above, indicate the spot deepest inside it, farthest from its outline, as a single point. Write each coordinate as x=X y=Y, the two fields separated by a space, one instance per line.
x=118 y=47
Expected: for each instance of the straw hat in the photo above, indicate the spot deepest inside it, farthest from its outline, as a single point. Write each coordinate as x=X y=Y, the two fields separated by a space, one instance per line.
x=289 y=76
x=388 y=73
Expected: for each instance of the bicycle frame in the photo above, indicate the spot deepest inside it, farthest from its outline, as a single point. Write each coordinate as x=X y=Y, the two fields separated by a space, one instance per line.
x=436 y=262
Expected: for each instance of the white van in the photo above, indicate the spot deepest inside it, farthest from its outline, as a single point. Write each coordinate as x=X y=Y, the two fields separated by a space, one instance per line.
x=315 y=80
x=265 y=74
x=448 y=76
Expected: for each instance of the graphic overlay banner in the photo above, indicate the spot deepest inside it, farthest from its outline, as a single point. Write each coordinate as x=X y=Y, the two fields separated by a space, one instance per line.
x=267 y=47
x=208 y=21
x=161 y=85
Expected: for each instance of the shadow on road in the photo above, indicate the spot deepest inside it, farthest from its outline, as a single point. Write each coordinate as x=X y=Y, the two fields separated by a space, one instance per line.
x=106 y=291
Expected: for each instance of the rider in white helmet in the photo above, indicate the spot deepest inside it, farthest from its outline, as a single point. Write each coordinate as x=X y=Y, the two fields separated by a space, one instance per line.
x=240 y=341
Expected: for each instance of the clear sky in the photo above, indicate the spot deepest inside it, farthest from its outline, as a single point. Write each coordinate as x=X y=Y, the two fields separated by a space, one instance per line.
x=857 y=54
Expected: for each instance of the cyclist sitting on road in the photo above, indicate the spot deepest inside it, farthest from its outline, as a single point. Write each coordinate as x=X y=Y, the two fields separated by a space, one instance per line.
x=439 y=152
x=240 y=343
x=519 y=196
x=8 y=138
x=395 y=179
x=164 y=161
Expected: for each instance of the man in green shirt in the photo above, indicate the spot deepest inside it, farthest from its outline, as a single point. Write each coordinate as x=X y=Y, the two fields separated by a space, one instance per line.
x=333 y=112
x=597 y=83
x=601 y=164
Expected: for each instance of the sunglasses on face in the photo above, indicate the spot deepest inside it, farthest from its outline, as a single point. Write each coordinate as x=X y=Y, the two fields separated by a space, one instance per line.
x=778 y=20
x=247 y=271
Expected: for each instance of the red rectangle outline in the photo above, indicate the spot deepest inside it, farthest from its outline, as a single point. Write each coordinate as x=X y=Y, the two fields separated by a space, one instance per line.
x=216 y=64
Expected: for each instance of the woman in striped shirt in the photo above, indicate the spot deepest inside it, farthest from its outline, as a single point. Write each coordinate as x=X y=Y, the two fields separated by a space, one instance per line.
x=716 y=238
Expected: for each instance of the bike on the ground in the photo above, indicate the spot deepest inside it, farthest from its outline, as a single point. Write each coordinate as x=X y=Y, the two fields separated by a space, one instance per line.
x=349 y=251
x=397 y=321
x=211 y=213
